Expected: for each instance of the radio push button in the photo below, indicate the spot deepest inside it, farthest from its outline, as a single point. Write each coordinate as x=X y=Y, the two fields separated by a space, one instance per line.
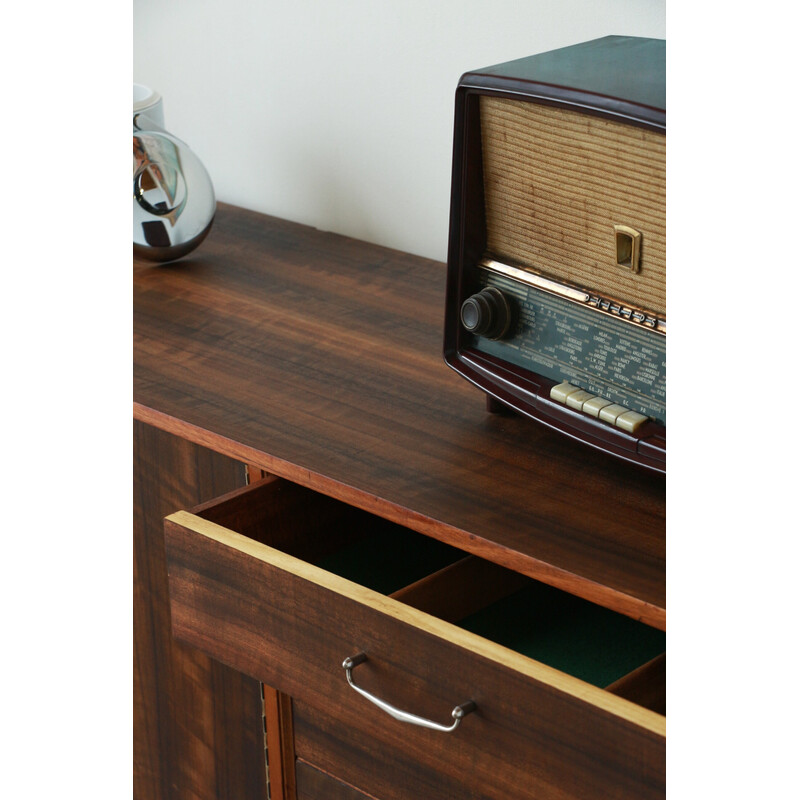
x=630 y=421
x=561 y=392
x=572 y=396
x=610 y=413
x=606 y=410
x=595 y=405
x=487 y=313
x=577 y=399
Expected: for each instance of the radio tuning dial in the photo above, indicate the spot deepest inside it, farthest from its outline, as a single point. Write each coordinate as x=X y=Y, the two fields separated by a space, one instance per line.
x=487 y=313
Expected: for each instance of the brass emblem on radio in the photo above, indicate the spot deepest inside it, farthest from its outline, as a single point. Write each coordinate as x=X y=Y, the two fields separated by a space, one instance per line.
x=628 y=244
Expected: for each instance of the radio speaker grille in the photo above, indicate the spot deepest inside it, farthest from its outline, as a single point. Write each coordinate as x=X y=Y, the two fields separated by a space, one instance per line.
x=557 y=181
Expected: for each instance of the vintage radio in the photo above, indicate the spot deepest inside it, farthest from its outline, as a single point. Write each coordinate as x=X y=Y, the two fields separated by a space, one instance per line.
x=556 y=281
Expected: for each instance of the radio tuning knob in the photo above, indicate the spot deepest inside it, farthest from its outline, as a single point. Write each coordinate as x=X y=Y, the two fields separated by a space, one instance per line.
x=487 y=313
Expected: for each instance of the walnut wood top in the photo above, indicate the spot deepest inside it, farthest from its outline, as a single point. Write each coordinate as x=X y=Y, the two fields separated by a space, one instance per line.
x=318 y=358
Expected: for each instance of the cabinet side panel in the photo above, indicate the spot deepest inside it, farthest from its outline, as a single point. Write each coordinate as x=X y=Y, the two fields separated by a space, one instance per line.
x=197 y=724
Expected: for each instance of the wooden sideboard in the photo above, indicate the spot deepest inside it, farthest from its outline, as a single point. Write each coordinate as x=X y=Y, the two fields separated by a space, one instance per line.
x=312 y=483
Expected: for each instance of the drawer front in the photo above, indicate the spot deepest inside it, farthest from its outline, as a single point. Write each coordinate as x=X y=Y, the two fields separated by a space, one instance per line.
x=536 y=732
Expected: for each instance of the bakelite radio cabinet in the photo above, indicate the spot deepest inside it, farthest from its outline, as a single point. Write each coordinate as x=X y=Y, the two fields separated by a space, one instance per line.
x=312 y=484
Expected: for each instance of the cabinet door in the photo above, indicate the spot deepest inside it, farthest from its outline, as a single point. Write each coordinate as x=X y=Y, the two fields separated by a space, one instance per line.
x=197 y=724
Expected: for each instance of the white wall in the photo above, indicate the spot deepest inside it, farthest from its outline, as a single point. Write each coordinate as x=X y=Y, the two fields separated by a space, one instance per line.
x=340 y=115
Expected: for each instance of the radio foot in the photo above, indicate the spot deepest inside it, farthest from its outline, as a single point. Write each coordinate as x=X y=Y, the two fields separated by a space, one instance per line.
x=494 y=406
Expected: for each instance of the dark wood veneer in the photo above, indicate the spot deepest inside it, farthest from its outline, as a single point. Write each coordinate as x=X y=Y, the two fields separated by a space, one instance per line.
x=313 y=784
x=318 y=358
x=196 y=723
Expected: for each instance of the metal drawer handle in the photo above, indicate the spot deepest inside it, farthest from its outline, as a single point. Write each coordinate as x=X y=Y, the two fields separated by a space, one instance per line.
x=459 y=712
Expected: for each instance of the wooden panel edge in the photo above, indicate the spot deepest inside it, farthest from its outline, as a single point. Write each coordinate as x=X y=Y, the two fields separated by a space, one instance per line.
x=618 y=706
x=280 y=744
x=613 y=599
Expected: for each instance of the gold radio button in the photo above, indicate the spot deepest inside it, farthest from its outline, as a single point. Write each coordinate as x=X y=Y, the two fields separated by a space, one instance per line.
x=594 y=405
x=630 y=421
x=577 y=399
x=561 y=392
x=610 y=413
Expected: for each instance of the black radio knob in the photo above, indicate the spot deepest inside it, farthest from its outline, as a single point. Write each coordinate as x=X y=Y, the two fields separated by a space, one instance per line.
x=487 y=313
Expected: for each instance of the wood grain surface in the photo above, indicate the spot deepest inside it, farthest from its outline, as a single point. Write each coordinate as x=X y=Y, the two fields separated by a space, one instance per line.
x=318 y=358
x=197 y=724
x=313 y=784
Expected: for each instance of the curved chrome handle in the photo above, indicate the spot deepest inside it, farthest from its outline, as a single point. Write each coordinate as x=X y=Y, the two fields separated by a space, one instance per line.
x=459 y=712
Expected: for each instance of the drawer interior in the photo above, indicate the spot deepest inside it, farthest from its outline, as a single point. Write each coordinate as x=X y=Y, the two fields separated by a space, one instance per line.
x=351 y=543
x=575 y=636
x=387 y=557
x=587 y=641
x=568 y=633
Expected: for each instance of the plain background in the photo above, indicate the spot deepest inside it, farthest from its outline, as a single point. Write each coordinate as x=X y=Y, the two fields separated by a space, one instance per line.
x=66 y=321
x=340 y=115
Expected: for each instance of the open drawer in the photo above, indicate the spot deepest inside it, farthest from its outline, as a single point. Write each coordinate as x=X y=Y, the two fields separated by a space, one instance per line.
x=286 y=585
